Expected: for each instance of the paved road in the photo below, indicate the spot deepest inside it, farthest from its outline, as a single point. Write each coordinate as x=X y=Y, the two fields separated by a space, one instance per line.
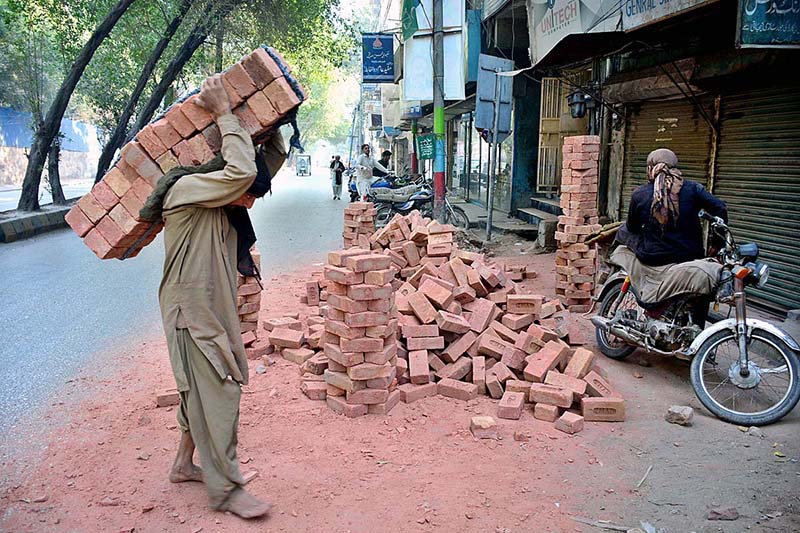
x=60 y=304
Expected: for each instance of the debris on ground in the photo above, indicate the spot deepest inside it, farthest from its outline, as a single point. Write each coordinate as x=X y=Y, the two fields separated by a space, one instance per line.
x=723 y=513
x=680 y=414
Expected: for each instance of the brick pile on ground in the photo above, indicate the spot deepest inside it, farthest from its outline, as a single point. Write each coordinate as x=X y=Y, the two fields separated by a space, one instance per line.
x=359 y=224
x=249 y=301
x=575 y=260
x=261 y=90
x=465 y=328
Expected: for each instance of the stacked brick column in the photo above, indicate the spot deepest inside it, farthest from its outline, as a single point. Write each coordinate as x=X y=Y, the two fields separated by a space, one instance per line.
x=249 y=301
x=359 y=224
x=261 y=91
x=360 y=333
x=575 y=261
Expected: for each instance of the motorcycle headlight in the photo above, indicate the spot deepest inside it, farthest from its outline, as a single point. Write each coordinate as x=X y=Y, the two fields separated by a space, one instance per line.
x=761 y=274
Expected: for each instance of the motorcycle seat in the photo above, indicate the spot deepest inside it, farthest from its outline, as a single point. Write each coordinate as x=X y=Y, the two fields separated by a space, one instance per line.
x=656 y=284
x=400 y=195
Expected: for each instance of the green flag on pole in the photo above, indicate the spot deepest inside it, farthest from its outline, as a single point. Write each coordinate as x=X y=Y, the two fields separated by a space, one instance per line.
x=409 y=17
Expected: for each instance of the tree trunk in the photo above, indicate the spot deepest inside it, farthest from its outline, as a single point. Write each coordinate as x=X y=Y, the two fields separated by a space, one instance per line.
x=220 y=39
x=52 y=172
x=190 y=45
x=118 y=137
x=29 y=200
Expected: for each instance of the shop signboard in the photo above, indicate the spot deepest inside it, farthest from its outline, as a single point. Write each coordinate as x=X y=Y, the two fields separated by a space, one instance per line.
x=638 y=13
x=488 y=82
x=773 y=24
x=426 y=145
x=377 y=54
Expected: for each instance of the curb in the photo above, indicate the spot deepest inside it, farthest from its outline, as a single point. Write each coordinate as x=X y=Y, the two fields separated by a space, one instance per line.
x=23 y=225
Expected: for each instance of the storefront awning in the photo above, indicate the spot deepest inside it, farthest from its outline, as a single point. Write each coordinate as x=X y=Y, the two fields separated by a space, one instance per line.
x=578 y=47
x=451 y=110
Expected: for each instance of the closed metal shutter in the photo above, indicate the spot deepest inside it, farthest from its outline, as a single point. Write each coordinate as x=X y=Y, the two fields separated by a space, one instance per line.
x=758 y=176
x=674 y=124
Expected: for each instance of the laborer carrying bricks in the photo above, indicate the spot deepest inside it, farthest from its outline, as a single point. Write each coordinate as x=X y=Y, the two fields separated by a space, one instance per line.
x=207 y=237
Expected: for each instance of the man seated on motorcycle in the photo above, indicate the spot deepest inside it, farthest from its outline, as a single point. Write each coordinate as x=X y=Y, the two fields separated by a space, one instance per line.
x=662 y=223
x=386 y=157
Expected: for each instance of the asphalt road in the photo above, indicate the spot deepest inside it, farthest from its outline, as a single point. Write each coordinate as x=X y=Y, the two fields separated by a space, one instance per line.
x=61 y=305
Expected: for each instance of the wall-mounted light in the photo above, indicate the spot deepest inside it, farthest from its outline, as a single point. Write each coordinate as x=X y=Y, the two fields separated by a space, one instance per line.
x=578 y=102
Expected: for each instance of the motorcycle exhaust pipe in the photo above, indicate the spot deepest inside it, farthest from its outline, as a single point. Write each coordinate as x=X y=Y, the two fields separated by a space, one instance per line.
x=603 y=323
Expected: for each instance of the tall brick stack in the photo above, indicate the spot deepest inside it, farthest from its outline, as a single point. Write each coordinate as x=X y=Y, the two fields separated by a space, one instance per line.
x=249 y=301
x=360 y=333
x=261 y=90
x=575 y=260
x=359 y=224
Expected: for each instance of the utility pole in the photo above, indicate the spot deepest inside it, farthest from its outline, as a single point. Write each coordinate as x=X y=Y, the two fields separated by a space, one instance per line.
x=438 y=110
x=493 y=153
x=414 y=164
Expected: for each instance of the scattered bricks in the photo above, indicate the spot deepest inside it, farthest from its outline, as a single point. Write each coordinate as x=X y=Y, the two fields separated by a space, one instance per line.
x=422 y=330
x=284 y=322
x=418 y=366
x=543 y=335
x=597 y=386
x=411 y=253
x=452 y=323
x=364 y=292
x=544 y=360
x=436 y=293
x=425 y=343
x=167 y=134
x=521 y=304
x=178 y=120
x=464 y=294
x=338 y=405
x=458 y=370
x=314 y=390
x=492 y=346
x=367 y=396
x=528 y=343
x=514 y=358
x=551 y=395
x=312 y=292
x=434 y=362
x=504 y=332
x=479 y=373
x=286 y=338
x=91 y=208
x=196 y=114
x=366 y=263
x=261 y=68
x=511 y=404
x=517 y=322
x=457 y=348
x=443 y=249
x=346 y=359
x=367 y=319
x=384 y=408
x=483 y=427
x=517 y=385
x=603 y=409
x=482 y=314
x=316 y=365
x=549 y=308
x=457 y=389
x=78 y=221
x=487 y=274
x=502 y=372
x=411 y=393
x=367 y=371
x=476 y=283
x=493 y=385
x=569 y=423
x=168 y=397
x=297 y=356
x=281 y=95
x=379 y=277
x=422 y=307
x=548 y=413
x=577 y=386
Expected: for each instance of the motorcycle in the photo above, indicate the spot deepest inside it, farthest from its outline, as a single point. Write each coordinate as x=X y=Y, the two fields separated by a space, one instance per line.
x=385 y=183
x=743 y=370
x=422 y=200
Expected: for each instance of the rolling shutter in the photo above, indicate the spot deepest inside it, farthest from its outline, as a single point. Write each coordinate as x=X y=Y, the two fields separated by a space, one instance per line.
x=673 y=124
x=758 y=176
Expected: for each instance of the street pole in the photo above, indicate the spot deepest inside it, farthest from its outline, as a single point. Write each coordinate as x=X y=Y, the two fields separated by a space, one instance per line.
x=438 y=110
x=493 y=153
x=414 y=163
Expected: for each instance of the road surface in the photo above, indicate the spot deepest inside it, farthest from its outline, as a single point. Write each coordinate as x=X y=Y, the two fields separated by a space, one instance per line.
x=62 y=305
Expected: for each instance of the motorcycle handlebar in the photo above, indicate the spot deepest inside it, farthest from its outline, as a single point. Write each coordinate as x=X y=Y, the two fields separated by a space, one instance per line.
x=705 y=215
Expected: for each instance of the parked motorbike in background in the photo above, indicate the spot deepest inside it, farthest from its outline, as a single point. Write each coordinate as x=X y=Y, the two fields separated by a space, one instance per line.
x=422 y=200
x=386 y=182
x=743 y=370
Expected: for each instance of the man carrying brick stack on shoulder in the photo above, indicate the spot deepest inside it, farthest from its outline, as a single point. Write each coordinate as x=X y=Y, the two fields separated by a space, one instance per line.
x=208 y=236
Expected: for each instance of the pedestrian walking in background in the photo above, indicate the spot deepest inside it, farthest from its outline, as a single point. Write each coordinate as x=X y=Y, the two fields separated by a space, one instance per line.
x=337 y=170
x=364 y=165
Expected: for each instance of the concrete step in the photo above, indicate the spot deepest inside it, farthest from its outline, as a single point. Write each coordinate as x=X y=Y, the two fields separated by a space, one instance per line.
x=534 y=216
x=548 y=205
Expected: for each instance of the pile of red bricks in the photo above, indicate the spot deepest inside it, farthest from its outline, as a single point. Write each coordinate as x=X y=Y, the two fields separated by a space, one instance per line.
x=575 y=260
x=249 y=301
x=359 y=224
x=261 y=91
x=464 y=327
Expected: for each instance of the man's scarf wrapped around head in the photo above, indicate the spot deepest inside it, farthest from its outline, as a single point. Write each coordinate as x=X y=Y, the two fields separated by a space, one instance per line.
x=667 y=181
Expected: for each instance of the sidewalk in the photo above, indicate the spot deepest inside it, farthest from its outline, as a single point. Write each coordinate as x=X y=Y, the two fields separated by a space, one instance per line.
x=501 y=222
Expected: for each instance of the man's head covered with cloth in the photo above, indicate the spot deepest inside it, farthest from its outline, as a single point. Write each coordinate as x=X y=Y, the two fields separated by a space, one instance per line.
x=663 y=173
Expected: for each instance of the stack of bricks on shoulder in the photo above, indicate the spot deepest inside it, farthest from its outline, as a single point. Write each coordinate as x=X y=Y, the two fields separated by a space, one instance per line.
x=261 y=91
x=402 y=314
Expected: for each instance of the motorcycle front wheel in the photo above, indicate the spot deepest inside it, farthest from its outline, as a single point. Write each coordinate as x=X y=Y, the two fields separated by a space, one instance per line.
x=610 y=345
x=457 y=218
x=770 y=391
x=383 y=215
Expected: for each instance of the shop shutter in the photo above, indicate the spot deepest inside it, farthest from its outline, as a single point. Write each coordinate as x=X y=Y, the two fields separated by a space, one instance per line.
x=673 y=124
x=758 y=176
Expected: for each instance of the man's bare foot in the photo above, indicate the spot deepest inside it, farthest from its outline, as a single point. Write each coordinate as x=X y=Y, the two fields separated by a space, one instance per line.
x=186 y=473
x=245 y=505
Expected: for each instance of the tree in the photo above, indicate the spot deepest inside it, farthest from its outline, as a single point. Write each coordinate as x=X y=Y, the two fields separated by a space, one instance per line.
x=29 y=199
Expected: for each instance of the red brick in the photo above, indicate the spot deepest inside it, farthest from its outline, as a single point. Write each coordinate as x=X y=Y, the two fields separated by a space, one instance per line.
x=118 y=183
x=362 y=344
x=483 y=427
x=363 y=292
x=510 y=406
x=367 y=371
x=425 y=343
x=603 y=409
x=379 y=276
x=434 y=362
x=314 y=390
x=168 y=398
x=112 y=233
x=544 y=360
x=185 y=155
x=580 y=364
x=78 y=221
x=457 y=389
x=457 y=348
x=517 y=322
x=104 y=195
x=368 y=396
x=200 y=148
x=213 y=138
x=482 y=314
x=365 y=263
x=167 y=161
x=422 y=307
x=517 y=385
x=127 y=222
x=418 y=366
x=525 y=304
x=241 y=82
x=384 y=408
x=100 y=246
x=492 y=346
x=151 y=143
x=338 y=405
x=458 y=370
x=569 y=423
x=551 y=395
x=168 y=136
x=271 y=324
x=281 y=95
x=528 y=343
x=514 y=358
x=366 y=319
x=342 y=381
x=597 y=386
x=577 y=386
x=410 y=392
x=548 y=413
x=342 y=275
x=90 y=207
x=286 y=338
x=196 y=114
x=452 y=323
x=444 y=249
x=464 y=294
x=479 y=373
x=178 y=120
x=493 y=385
x=346 y=359
x=411 y=253
x=296 y=355
x=261 y=68
x=503 y=373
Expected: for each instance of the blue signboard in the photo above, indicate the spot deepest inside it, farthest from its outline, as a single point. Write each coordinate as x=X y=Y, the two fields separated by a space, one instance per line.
x=377 y=57
x=773 y=24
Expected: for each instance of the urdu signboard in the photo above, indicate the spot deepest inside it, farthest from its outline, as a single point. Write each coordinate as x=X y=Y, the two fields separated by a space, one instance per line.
x=768 y=24
x=377 y=53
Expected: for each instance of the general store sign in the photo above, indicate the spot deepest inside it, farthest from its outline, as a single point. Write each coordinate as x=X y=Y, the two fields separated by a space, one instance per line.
x=638 y=13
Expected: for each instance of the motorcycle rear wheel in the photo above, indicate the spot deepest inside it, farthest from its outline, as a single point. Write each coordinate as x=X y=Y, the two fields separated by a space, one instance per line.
x=458 y=218
x=610 y=345
x=776 y=388
x=383 y=215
